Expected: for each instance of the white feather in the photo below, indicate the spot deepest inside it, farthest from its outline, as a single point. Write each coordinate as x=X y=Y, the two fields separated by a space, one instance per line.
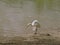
x=33 y=23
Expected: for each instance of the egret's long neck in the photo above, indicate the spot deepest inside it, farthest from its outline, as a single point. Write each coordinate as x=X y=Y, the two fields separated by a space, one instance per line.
x=33 y=23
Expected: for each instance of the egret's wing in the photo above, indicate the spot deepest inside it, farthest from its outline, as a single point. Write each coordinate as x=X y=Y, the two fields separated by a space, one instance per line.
x=29 y=24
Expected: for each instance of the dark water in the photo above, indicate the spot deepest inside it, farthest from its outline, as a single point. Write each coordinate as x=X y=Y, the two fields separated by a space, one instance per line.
x=15 y=17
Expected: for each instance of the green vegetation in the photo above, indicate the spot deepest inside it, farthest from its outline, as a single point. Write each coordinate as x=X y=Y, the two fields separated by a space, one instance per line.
x=39 y=3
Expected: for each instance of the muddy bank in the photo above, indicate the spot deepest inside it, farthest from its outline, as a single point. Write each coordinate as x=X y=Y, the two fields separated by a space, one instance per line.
x=42 y=39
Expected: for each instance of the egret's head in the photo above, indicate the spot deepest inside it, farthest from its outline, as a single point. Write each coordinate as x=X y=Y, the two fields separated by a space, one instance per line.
x=34 y=22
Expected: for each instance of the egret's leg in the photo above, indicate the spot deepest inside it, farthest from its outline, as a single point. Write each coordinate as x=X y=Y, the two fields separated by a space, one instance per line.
x=35 y=31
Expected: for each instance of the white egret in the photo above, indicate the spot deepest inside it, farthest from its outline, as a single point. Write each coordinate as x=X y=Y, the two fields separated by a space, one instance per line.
x=35 y=25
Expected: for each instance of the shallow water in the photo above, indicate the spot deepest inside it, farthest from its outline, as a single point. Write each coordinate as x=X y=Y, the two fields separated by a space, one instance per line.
x=15 y=17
